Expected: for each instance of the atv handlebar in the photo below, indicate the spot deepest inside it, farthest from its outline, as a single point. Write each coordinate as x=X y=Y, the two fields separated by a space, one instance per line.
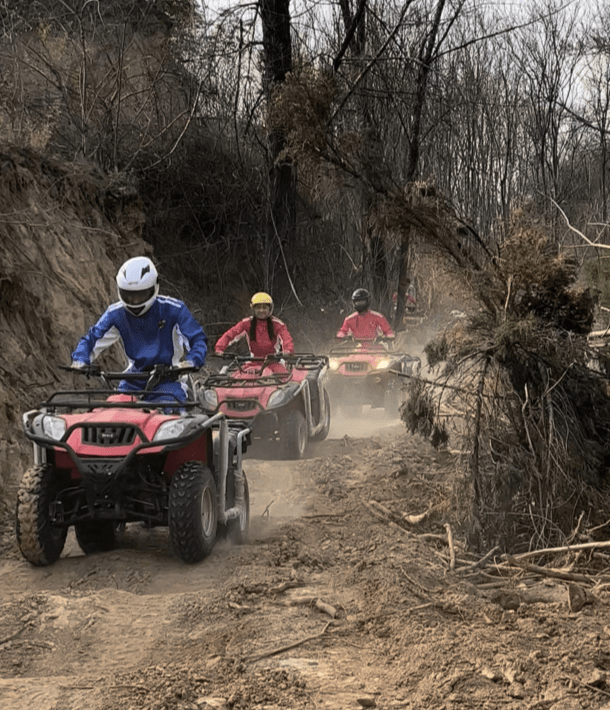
x=353 y=343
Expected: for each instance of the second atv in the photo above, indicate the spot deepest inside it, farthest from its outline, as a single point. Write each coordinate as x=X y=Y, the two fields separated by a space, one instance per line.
x=283 y=399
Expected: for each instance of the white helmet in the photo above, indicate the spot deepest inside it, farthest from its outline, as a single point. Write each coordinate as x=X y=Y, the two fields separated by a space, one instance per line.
x=138 y=286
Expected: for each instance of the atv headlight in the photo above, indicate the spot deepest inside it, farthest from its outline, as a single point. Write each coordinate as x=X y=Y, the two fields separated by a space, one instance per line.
x=53 y=427
x=383 y=365
x=209 y=397
x=281 y=396
x=334 y=363
x=171 y=429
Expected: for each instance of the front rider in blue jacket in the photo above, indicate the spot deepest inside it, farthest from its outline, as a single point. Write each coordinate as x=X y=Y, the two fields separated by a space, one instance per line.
x=153 y=329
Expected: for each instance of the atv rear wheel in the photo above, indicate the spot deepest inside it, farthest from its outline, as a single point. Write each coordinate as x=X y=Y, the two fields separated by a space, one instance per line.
x=293 y=435
x=40 y=543
x=323 y=433
x=95 y=535
x=193 y=515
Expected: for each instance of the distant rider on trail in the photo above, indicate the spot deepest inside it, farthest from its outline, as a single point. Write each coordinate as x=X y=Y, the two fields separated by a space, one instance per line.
x=153 y=329
x=364 y=324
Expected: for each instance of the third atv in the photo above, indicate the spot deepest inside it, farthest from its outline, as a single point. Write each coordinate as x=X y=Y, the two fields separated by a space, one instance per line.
x=368 y=372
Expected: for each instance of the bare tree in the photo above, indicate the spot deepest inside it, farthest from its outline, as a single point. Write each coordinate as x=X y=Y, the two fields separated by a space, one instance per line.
x=277 y=62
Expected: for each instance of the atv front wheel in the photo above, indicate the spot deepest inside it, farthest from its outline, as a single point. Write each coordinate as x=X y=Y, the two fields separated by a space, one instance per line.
x=40 y=542
x=95 y=535
x=323 y=433
x=193 y=516
x=293 y=435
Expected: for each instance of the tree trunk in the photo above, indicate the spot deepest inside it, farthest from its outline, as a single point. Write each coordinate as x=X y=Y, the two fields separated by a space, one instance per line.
x=427 y=52
x=403 y=275
x=281 y=221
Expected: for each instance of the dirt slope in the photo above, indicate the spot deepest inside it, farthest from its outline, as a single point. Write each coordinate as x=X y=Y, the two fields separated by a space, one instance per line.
x=328 y=606
x=64 y=230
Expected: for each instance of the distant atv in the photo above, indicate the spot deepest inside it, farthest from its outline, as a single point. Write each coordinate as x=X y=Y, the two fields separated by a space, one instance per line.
x=103 y=459
x=282 y=399
x=368 y=372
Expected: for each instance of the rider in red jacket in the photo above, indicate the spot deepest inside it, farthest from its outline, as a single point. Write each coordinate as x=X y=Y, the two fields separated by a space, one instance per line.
x=265 y=334
x=364 y=324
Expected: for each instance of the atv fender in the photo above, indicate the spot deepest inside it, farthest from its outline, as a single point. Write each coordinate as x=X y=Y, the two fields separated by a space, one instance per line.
x=229 y=447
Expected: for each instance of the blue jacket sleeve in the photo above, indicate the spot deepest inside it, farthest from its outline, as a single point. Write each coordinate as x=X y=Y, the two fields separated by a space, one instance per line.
x=99 y=337
x=196 y=339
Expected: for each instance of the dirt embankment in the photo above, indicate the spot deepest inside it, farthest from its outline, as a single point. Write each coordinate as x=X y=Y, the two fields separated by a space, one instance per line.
x=64 y=228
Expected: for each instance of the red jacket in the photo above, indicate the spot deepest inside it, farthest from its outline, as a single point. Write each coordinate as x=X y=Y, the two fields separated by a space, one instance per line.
x=262 y=345
x=365 y=326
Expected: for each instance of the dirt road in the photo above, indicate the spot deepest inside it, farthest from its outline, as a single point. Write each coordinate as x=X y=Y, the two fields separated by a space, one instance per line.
x=329 y=605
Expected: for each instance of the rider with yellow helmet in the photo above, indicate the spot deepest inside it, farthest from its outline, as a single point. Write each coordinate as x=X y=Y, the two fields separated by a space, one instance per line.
x=265 y=334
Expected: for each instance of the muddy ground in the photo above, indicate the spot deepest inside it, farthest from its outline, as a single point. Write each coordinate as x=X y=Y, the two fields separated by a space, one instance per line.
x=331 y=604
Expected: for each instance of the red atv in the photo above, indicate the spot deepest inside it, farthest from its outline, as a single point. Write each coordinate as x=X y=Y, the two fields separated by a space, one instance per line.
x=103 y=459
x=283 y=399
x=368 y=372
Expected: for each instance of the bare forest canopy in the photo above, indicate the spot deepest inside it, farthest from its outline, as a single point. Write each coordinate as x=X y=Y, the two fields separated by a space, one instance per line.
x=309 y=148
x=260 y=133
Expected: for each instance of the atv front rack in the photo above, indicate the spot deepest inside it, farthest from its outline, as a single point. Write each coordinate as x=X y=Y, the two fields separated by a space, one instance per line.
x=307 y=361
x=226 y=380
x=236 y=372
x=99 y=399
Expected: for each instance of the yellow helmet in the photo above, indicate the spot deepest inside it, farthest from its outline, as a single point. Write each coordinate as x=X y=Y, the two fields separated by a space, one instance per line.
x=262 y=299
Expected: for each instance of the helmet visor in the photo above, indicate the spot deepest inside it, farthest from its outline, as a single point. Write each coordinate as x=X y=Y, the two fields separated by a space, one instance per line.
x=361 y=304
x=136 y=298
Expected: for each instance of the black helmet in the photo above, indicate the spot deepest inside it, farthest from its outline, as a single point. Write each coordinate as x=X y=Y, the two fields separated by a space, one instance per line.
x=361 y=299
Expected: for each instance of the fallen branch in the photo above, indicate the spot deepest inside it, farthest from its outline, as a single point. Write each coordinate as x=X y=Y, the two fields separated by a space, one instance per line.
x=414 y=519
x=326 y=608
x=290 y=646
x=587 y=685
x=385 y=512
x=318 y=603
x=10 y=638
x=419 y=608
x=417 y=585
x=576 y=231
x=451 y=547
x=566 y=548
x=473 y=565
x=283 y=586
x=545 y=572
x=82 y=579
x=396 y=517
